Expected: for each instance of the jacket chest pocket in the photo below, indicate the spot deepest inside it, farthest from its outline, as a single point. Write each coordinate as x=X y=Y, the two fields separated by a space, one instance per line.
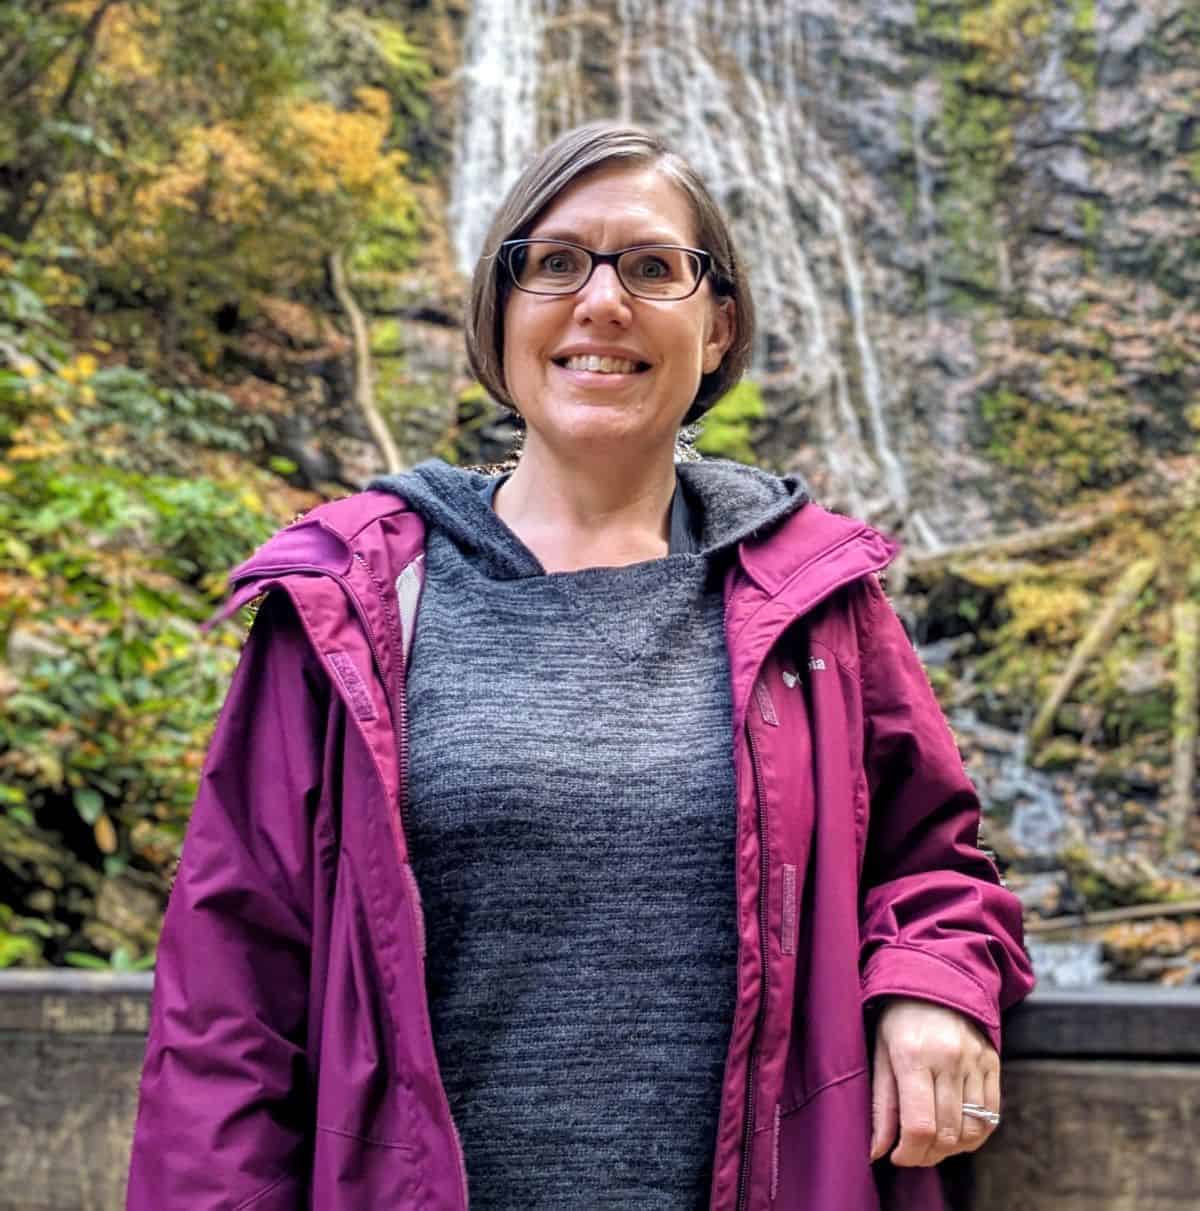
x=782 y=751
x=782 y=739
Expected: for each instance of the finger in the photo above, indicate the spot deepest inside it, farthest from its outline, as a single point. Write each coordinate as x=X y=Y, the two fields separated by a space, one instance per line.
x=885 y=1104
x=948 y=1090
x=918 y=1116
x=991 y=1084
x=974 y=1131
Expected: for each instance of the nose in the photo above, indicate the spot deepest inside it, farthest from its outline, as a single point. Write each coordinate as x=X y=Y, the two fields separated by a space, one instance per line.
x=603 y=299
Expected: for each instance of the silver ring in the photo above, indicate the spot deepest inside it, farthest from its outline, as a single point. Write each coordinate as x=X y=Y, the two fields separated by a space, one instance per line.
x=971 y=1110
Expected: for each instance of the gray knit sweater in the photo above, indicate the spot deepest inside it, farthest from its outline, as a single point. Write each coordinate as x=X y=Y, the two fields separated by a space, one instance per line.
x=571 y=824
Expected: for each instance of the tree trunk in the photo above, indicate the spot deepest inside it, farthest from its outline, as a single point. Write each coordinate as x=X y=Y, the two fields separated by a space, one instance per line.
x=1136 y=577
x=364 y=391
x=1183 y=732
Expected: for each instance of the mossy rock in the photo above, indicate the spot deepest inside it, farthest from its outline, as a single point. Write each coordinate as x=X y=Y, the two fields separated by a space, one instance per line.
x=727 y=427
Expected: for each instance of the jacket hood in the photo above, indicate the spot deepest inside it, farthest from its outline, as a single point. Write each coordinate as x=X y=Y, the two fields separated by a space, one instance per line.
x=731 y=502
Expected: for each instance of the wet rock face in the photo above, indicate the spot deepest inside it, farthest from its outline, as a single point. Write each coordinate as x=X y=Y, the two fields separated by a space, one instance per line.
x=973 y=227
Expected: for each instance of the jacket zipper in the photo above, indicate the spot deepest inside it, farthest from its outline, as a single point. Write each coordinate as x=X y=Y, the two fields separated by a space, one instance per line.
x=402 y=744
x=400 y=724
x=763 y=926
x=400 y=733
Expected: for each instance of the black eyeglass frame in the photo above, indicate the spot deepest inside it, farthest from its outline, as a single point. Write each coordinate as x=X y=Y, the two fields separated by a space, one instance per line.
x=509 y=247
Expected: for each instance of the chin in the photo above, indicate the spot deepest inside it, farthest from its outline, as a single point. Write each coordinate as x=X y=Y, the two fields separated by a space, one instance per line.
x=597 y=423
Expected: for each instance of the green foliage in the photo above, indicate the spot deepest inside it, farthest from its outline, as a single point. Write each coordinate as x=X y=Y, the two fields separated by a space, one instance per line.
x=122 y=502
x=727 y=426
x=195 y=152
x=373 y=50
x=121 y=959
x=160 y=164
x=254 y=50
x=18 y=946
x=1061 y=448
x=1024 y=650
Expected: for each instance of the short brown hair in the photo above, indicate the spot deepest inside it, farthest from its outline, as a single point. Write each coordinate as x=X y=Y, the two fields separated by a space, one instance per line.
x=569 y=157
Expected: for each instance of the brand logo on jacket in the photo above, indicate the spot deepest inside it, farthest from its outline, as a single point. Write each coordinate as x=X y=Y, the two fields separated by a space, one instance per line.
x=791 y=679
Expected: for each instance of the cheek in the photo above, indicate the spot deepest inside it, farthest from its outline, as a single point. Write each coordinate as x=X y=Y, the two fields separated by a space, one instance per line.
x=697 y=341
x=524 y=336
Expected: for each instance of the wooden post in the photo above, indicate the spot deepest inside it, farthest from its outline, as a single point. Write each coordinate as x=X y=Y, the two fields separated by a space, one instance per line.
x=1183 y=730
x=1100 y=633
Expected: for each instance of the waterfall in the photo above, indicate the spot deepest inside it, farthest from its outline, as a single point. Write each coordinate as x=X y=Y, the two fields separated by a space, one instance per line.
x=727 y=83
x=872 y=383
x=498 y=130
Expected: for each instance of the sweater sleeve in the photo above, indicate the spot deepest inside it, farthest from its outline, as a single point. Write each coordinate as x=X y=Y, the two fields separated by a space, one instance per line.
x=936 y=922
x=224 y=1097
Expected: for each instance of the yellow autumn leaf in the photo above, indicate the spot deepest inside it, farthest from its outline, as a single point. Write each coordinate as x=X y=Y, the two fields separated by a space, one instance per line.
x=105 y=834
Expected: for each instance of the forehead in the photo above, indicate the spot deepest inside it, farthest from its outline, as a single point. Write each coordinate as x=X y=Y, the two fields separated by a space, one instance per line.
x=614 y=206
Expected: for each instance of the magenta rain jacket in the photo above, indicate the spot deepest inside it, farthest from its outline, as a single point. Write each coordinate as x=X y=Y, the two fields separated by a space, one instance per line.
x=290 y=1062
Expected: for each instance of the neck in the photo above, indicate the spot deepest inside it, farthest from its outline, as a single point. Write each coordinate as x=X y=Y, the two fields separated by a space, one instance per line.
x=585 y=512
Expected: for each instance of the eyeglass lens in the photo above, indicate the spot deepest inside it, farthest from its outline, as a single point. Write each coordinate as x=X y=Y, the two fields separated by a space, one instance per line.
x=652 y=272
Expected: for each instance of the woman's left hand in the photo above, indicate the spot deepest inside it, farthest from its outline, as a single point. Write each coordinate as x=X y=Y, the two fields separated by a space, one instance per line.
x=929 y=1060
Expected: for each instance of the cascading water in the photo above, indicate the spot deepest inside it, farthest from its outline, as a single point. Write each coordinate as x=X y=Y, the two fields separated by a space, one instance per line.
x=498 y=129
x=727 y=84
x=922 y=246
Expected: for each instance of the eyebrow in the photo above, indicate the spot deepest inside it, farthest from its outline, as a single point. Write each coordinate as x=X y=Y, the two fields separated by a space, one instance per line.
x=572 y=237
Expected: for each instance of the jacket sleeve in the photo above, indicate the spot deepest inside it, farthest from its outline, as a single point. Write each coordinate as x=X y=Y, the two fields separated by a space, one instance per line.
x=936 y=923
x=223 y=1106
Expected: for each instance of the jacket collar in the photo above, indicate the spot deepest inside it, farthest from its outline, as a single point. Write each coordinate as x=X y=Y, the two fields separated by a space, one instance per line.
x=327 y=540
x=323 y=539
x=812 y=553
x=792 y=567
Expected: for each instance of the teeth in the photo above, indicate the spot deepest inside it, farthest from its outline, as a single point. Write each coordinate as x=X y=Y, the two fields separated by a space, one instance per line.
x=603 y=365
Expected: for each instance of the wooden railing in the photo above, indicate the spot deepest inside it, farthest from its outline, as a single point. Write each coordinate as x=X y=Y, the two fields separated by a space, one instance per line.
x=1101 y=1104
x=1101 y=1098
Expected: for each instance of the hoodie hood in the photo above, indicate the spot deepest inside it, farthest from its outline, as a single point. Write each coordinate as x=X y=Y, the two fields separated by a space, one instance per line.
x=728 y=502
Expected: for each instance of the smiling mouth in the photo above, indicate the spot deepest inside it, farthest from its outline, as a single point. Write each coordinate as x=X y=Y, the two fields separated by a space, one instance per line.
x=602 y=365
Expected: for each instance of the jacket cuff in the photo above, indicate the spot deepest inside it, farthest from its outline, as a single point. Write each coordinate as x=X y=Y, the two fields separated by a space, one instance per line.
x=898 y=970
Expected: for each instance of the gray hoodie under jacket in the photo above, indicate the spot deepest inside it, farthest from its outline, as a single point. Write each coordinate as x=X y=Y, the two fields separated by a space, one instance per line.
x=571 y=825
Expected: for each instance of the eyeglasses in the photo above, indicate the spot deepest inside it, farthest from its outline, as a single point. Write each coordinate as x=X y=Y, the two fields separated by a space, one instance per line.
x=662 y=272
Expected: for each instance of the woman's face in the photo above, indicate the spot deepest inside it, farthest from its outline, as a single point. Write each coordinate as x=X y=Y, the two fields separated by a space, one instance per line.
x=672 y=342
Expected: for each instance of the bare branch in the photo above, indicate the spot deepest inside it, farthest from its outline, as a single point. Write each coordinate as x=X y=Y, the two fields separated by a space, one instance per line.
x=1109 y=916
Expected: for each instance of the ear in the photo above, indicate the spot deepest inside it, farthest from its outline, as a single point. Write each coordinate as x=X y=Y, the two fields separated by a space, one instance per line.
x=722 y=329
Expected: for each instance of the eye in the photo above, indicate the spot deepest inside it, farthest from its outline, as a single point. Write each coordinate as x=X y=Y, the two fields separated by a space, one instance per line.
x=559 y=262
x=653 y=267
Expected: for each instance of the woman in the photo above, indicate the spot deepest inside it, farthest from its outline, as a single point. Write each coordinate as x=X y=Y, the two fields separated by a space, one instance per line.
x=643 y=969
